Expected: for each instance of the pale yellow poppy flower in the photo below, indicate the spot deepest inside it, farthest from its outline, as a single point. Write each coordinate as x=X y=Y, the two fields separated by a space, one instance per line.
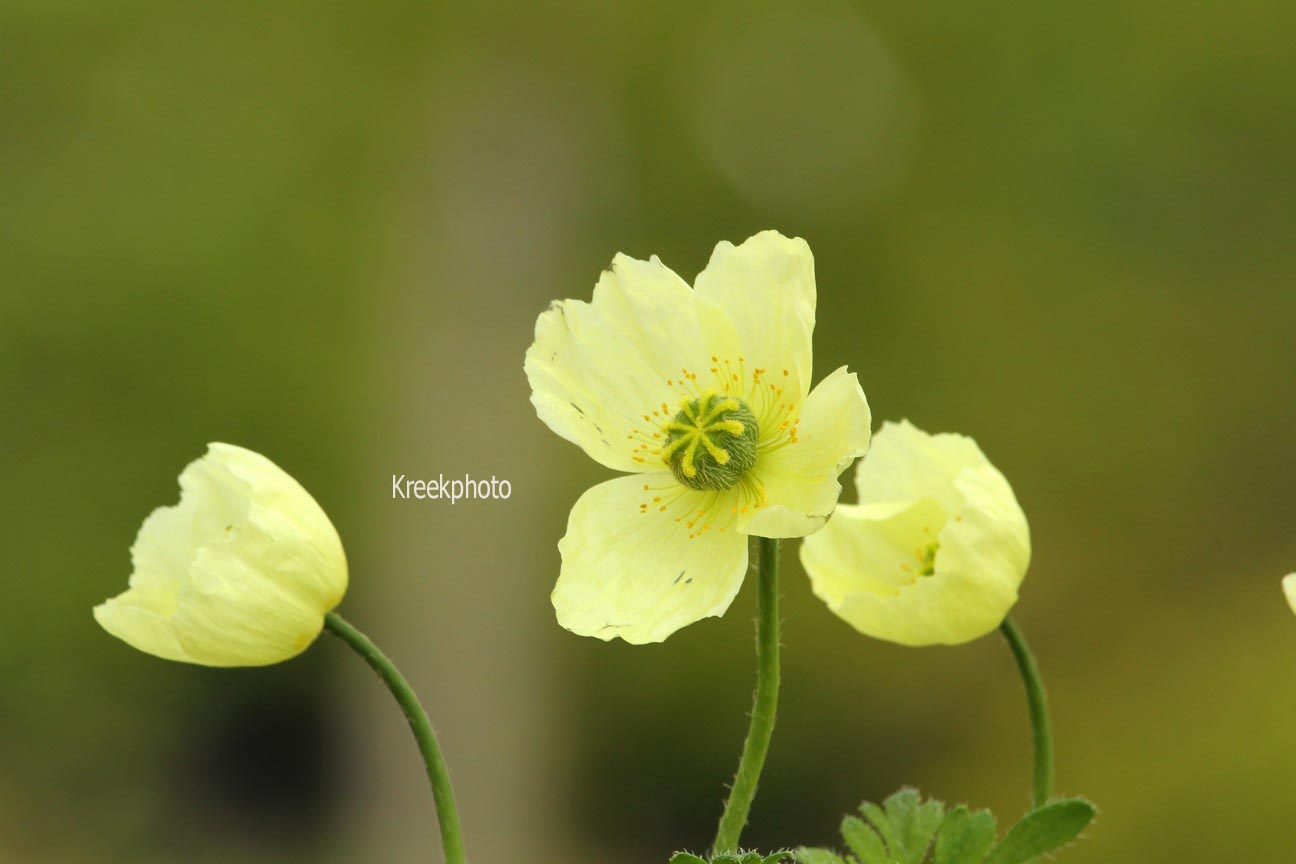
x=936 y=548
x=240 y=573
x=1289 y=589
x=703 y=394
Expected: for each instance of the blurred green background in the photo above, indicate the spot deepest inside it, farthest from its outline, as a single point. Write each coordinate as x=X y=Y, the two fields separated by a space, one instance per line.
x=324 y=231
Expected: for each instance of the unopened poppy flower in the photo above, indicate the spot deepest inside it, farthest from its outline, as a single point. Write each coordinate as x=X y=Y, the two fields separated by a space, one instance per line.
x=936 y=548
x=240 y=573
x=703 y=395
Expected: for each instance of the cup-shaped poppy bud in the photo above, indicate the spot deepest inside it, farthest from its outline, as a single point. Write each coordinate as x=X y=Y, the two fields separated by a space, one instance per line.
x=936 y=548
x=240 y=573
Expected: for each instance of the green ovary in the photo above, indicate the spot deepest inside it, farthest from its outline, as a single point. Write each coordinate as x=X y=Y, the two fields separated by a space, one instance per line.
x=711 y=442
x=927 y=559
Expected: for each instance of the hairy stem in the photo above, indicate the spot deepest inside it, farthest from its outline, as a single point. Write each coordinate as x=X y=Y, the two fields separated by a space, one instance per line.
x=1041 y=728
x=764 y=705
x=438 y=775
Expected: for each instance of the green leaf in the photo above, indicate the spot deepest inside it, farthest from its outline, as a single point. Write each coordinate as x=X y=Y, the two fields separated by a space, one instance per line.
x=964 y=837
x=882 y=822
x=817 y=856
x=920 y=827
x=1043 y=830
x=864 y=841
x=901 y=801
x=732 y=858
x=908 y=830
x=906 y=824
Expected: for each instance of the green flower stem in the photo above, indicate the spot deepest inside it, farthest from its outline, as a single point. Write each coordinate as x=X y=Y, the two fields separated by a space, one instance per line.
x=764 y=707
x=438 y=775
x=1041 y=728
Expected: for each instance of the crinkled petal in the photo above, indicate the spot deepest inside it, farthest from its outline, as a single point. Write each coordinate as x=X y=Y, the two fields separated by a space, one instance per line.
x=282 y=507
x=266 y=526
x=766 y=287
x=238 y=611
x=141 y=617
x=864 y=564
x=800 y=480
x=165 y=545
x=212 y=498
x=905 y=463
x=983 y=558
x=598 y=369
x=634 y=572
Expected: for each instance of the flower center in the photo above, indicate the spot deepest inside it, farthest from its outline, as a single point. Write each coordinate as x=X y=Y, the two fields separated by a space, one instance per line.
x=927 y=558
x=711 y=442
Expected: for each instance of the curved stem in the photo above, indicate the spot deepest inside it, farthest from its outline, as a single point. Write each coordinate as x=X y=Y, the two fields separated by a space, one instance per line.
x=438 y=775
x=1041 y=728
x=764 y=706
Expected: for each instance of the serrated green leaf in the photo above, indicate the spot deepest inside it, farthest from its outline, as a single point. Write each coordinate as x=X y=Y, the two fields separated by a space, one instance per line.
x=964 y=837
x=731 y=858
x=1043 y=830
x=900 y=807
x=864 y=841
x=817 y=856
x=882 y=822
x=906 y=824
x=923 y=822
